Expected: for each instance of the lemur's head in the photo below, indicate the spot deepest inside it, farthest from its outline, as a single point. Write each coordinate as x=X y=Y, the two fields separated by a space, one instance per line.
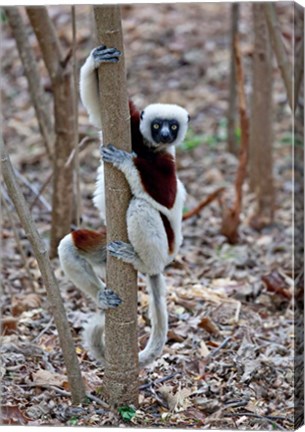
x=163 y=125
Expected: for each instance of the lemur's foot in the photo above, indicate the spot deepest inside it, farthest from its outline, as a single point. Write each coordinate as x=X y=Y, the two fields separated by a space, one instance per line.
x=123 y=251
x=102 y=54
x=114 y=156
x=108 y=299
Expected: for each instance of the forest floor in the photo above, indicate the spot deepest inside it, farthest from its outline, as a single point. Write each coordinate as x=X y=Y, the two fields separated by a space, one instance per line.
x=229 y=359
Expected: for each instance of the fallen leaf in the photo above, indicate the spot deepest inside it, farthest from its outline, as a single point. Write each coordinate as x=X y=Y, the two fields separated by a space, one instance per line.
x=172 y=335
x=24 y=303
x=209 y=325
x=44 y=377
x=9 y=325
x=11 y=414
x=276 y=283
x=204 y=350
x=176 y=401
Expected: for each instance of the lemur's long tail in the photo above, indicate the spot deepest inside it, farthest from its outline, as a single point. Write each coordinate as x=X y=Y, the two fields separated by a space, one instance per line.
x=94 y=331
x=158 y=318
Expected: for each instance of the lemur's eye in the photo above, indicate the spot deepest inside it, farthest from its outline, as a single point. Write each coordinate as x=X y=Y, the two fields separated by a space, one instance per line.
x=156 y=126
x=174 y=127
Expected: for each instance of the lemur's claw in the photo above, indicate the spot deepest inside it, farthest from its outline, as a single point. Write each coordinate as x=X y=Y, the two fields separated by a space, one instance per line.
x=102 y=54
x=114 y=156
x=121 y=250
x=108 y=299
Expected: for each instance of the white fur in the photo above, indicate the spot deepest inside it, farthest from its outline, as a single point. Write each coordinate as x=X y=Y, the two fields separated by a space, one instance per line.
x=89 y=94
x=164 y=111
x=80 y=267
x=99 y=193
x=149 y=212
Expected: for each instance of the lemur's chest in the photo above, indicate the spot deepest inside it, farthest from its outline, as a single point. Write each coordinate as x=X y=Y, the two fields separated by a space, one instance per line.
x=158 y=177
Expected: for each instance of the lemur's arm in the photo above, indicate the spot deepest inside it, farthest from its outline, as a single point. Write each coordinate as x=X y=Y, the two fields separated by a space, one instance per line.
x=89 y=91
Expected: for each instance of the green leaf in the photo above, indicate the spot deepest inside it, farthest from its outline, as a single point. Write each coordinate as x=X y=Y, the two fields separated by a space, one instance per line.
x=127 y=412
x=3 y=17
x=73 y=421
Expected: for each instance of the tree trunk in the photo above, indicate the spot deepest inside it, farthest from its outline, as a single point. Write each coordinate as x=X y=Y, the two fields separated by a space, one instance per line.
x=61 y=75
x=261 y=178
x=231 y=115
x=121 y=371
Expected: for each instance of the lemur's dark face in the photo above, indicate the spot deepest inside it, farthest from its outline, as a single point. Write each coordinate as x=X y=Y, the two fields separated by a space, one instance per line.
x=164 y=131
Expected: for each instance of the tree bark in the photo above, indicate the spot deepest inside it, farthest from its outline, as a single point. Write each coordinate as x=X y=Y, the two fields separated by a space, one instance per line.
x=231 y=115
x=283 y=61
x=36 y=91
x=298 y=51
x=61 y=75
x=121 y=371
x=53 y=293
x=261 y=178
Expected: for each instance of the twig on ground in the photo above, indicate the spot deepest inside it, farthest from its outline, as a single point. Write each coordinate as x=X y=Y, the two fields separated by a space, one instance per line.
x=269 y=419
x=152 y=391
x=221 y=346
x=67 y=393
x=236 y=403
x=158 y=381
x=44 y=330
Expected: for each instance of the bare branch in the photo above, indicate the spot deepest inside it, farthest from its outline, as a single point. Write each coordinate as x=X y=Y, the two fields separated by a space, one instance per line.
x=231 y=216
x=77 y=194
x=283 y=61
x=231 y=114
x=47 y=38
x=298 y=70
x=36 y=91
x=207 y=200
x=53 y=293
x=61 y=75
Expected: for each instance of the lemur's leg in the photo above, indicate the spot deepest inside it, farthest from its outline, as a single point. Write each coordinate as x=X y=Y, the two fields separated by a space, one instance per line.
x=88 y=80
x=79 y=252
x=148 y=247
x=125 y=252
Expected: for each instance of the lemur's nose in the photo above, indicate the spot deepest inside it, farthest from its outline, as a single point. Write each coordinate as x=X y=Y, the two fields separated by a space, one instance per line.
x=165 y=134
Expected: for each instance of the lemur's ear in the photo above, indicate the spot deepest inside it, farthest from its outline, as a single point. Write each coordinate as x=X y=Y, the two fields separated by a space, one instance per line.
x=142 y=115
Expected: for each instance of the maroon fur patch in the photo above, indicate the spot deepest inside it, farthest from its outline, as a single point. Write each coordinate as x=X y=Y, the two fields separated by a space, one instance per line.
x=158 y=176
x=169 y=232
x=88 y=240
x=136 y=137
x=157 y=169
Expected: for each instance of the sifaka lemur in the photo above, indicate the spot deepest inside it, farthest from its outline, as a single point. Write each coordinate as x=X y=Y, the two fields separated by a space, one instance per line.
x=154 y=215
